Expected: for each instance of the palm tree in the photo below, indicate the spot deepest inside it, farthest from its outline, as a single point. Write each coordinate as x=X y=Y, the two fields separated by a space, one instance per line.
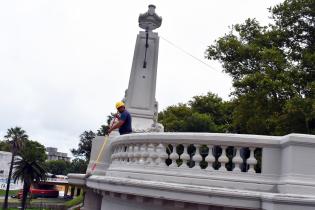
x=28 y=171
x=16 y=136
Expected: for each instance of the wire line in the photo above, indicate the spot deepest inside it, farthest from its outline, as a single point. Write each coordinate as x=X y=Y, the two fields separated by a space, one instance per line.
x=189 y=54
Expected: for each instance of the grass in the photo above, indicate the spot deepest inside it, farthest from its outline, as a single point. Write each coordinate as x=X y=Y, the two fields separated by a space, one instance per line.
x=48 y=200
x=75 y=201
x=35 y=201
x=11 y=192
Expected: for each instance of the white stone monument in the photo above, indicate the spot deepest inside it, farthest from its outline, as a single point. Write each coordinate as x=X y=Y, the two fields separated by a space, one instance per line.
x=140 y=95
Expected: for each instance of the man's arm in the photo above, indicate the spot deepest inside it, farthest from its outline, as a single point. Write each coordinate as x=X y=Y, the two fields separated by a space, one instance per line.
x=117 y=125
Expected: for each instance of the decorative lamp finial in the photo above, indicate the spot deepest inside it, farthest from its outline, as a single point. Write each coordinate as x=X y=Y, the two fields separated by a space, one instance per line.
x=150 y=20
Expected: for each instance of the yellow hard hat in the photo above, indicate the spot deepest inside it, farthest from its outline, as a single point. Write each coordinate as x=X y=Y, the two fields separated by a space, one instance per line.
x=119 y=104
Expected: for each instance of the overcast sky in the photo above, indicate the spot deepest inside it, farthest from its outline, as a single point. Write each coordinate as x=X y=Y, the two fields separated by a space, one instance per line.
x=64 y=64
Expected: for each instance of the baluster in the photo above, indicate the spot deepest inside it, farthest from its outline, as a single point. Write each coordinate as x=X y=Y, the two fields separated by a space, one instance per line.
x=120 y=153
x=185 y=157
x=197 y=157
x=137 y=153
x=124 y=154
x=117 y=154
x=143 y=154
x=251 y=161
x=114 y=154
x=130 y=154
x=210 y=158
x=223 y=159
x=151 y=154
x=237 y=160
x=162 y=155
x=174 y=156
x=126 y=148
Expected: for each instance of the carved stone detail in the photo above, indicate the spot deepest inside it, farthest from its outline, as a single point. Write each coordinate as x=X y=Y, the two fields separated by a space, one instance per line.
x=150 y=20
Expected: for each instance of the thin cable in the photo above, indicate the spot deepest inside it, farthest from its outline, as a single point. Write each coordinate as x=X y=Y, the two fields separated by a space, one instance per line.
x=187 y=53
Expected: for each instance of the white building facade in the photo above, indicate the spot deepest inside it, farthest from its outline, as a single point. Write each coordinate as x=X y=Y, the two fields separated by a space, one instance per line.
x=5 y=160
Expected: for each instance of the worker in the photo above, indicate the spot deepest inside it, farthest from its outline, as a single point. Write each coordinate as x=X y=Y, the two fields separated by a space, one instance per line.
x=124 y=120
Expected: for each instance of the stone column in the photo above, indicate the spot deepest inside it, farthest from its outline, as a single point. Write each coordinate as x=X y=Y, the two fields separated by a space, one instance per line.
x=78 y=191
x=140 y=95
x=66 y=190
x=72 y=190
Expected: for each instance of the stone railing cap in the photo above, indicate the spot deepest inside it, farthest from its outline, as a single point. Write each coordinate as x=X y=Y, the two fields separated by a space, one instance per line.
x=202 y=138
x=298 y=139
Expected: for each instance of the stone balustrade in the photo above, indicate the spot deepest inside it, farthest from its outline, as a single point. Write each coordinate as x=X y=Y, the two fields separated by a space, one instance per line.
x=208 y=156
x=232 y=170
x=208 y=152
x=254 y=162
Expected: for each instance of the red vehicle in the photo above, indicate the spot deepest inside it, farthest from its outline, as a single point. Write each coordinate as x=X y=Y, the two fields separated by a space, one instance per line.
x=41 y=191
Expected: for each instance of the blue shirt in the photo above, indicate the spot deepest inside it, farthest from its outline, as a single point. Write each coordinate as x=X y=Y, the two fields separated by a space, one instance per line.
x=126 y=127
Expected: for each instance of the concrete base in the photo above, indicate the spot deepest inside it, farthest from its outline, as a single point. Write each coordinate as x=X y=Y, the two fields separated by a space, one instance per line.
x=92 y=200
x=110 y=202
x=285 y=206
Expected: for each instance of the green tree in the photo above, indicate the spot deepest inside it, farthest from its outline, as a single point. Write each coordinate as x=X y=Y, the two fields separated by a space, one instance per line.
x=34 y=150
x=85 y=145
x=58 y=167
x=78 y=166
x=196 y=116
x=16 y=137
x=173 y=118
x=104 y=128
x=212 y=105
x=296 y=20
x=299 y=115
x=272 y=67
x=198 y=122
x=4 y=146
x=27 y=170
x=102 y=131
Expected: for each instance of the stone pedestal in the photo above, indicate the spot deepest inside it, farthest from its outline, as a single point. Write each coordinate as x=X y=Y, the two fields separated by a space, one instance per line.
x=140 y=95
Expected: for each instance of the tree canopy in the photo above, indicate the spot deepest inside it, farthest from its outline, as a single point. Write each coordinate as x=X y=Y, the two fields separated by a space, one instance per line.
x=85 y=145
x=62 y=167
x=78 y=166
x=4 y=146
x=57 y=167
x=28 y=164
x=28 y=170
x=34 y=150
x=273 y=70
x=208 y=113
x=273 y=73
x=16 y=137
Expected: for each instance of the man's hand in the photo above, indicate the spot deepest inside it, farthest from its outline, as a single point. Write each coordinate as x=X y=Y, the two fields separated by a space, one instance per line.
x=115 y=126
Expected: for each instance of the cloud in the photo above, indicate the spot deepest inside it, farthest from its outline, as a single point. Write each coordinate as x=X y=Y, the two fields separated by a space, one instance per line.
x=64 y=64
